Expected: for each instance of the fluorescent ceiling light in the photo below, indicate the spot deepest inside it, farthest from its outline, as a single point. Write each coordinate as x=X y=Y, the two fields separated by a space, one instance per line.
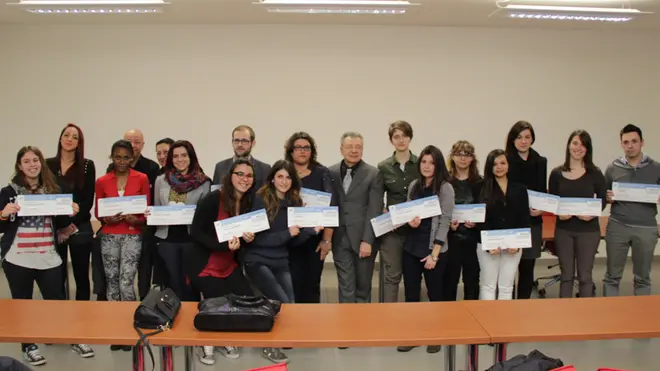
x=370 y=7
x=570 y=13
x=337 y=11
x=92 y=6
x=337 y=2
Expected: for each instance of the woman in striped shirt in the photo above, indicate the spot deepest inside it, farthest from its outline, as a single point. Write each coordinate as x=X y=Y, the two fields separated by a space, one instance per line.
x=28 y=242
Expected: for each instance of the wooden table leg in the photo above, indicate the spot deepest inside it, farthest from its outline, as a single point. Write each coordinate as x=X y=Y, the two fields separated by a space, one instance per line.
x=166 y=358
x=189 y=358
x=472 y=357
x=500 y=352
x=450 y=357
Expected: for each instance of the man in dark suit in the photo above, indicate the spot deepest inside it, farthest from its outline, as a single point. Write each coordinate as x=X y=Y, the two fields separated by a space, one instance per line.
x=360 y=192
x=243 y=140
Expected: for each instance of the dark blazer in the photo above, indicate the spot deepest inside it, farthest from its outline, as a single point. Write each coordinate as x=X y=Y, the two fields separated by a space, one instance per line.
x=261 y=170
x=82 y=195
x=511 y=213
x=362 y=202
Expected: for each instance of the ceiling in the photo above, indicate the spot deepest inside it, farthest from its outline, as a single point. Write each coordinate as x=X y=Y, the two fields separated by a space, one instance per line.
x=470 y=13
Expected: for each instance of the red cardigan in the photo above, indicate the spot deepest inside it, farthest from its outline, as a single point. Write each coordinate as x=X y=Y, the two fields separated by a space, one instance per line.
x=136 y=185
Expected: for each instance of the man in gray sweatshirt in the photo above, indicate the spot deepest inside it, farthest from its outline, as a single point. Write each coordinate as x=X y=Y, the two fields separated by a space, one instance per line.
x=631 y=224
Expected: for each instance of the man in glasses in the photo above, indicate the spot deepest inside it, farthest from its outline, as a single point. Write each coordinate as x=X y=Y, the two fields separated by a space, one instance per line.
x=243 y=140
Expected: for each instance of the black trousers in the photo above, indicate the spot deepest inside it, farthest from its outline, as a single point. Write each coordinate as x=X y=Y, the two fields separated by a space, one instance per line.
x=413 y=270
x=461 y=257
x=98 y=272
x=151 y=265
x=21 y=283
x=79 y=246
x=214 y=287
x=525 y=278
x=306 y=268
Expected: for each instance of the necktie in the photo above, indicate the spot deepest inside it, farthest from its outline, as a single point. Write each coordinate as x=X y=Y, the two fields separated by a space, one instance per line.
x=347 y=180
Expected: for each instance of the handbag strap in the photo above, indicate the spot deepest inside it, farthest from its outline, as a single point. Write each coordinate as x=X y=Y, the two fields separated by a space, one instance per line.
x=143 y=341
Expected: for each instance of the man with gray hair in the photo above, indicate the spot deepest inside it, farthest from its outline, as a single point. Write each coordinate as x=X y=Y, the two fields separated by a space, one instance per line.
x=360 y=193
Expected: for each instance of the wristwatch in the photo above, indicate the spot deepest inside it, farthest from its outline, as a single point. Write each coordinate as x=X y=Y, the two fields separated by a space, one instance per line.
x=435 y=258
x=326 y=241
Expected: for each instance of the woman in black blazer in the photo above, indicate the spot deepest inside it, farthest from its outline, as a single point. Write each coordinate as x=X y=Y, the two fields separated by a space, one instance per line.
x=507 y=207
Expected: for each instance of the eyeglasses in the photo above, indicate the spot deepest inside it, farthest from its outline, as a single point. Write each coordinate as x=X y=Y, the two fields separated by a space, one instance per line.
x=302 y=148
x=241 y=141
x=243 y=175
x=463 y=154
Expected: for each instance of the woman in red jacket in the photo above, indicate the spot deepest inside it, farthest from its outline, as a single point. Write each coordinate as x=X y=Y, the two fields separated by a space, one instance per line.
x=121 y=240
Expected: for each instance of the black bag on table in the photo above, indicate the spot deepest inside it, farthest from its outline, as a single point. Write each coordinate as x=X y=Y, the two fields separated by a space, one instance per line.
x=157 y=312
x=233 y=313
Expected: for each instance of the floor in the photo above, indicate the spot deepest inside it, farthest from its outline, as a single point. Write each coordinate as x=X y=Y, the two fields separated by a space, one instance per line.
x=637 y=355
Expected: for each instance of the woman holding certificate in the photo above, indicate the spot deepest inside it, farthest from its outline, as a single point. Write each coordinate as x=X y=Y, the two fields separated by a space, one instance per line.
x=183 y=182
x=121 y=233
x=209 y=265
x=424 y=251
x=507 y=207
x=530 y=169
x=306 y=261
x=577 y=237
x=267 y=257
x=28 y=244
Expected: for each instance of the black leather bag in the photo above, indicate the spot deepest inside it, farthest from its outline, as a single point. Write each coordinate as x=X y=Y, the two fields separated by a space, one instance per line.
x=235 y=313
x=157 y=312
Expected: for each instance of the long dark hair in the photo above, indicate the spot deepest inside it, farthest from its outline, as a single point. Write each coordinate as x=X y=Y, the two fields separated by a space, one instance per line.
x=473 y=170
x=585 y=138
x=46 y=178
x=121 y=143
x=192 y=155
x=76 y=173
x=269 y=192
x=440 y=174
x=516 y=129
x=228 y=192
x=491 y=193
x=288 y=147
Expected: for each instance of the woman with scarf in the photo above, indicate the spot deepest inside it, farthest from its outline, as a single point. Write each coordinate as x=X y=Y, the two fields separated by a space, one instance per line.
x=529 y=168
x=28 y=244
x=182 y=182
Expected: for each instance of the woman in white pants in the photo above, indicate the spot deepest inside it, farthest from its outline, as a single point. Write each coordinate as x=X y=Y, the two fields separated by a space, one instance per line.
x=507 y=207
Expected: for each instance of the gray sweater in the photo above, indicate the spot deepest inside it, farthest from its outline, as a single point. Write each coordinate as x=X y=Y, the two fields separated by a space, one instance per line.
x=633 y=213
x=162 y=194
x=440 y=224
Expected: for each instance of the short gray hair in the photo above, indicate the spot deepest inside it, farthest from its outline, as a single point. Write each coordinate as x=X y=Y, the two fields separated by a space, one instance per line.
x=350 y=134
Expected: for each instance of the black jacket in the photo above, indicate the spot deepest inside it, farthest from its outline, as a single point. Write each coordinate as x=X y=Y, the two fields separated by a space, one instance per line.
x=82 y=195
x=534 y=361
x=532 y=173
x=9 y=227
x=510 y=213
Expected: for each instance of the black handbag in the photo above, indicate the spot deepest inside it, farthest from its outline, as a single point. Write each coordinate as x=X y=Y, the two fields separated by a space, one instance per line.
x=237 y=314
x=157 y=312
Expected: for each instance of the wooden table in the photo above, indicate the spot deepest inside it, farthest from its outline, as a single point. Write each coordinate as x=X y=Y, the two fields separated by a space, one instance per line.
x=298 y=325
x=514 y=321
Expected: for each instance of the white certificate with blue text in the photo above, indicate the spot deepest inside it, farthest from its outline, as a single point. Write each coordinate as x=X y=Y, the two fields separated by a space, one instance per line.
x=543 y=201
x=215 y=187
x=311 y=217
x=45 y=205
x=423 y=208
x=580 y=206
x=121 y=205
x=520 y=238
x=636 y=192
x=314 y=198
x=383 y=224
x=474 y=213
x=253 y=222
x=171 y=215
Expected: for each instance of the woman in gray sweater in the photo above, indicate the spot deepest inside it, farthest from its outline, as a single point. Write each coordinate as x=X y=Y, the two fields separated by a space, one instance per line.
x=426 y=240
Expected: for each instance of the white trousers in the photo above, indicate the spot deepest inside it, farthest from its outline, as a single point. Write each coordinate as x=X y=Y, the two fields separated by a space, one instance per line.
x=498 y=273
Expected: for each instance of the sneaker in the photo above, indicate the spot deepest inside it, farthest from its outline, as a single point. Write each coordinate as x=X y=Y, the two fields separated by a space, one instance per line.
x=432 y=349
x=115 y=348
x=83 y=350
x=33 y=356
x=206 y=355
x=404 y=349
x=229 y=352
x=274 y=355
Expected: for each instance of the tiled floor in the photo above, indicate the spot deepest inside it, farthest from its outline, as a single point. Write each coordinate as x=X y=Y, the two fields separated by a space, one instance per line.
x=638 y=355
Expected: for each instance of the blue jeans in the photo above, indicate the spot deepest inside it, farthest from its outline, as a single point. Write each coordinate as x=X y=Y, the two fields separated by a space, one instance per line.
x=273 y=282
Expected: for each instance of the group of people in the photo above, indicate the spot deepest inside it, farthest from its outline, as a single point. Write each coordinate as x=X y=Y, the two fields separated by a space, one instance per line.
x=286 y=263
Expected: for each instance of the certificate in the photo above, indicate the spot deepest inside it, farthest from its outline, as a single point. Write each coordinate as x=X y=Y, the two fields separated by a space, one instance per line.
x=171 y=215
x=543 y=201
x=636 y=192
x=520 y=238
x=44 y=205
x=252 y=222
x=311 y=217
x=407 y=211
x=580 y=206
x=215 y=187
x=475 y=213
x=125 y=205
x=313 y=197
x=383 y=224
